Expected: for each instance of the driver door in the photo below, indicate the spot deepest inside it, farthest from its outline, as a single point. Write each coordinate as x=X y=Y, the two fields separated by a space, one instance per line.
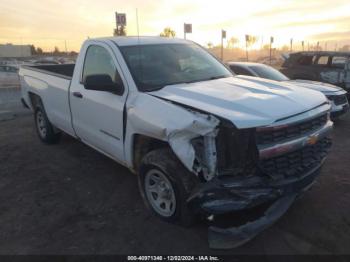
x=97 y=116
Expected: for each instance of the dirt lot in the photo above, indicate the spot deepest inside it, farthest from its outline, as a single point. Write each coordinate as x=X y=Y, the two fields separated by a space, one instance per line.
x=69 y=199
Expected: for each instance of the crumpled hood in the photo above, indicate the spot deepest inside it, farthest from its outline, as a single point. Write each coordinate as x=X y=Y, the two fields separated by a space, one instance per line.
x=318 y=86
x=246 y=103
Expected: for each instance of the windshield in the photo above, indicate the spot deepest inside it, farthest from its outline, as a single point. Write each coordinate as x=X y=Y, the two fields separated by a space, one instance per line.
x=155 y=66
x=269 y=73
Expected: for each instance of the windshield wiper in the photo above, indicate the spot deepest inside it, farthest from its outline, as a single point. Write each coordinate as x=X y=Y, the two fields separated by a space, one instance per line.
x=218 y=77
x=207 y=79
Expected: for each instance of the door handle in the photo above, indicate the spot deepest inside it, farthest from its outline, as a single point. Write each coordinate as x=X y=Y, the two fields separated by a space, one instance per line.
x=77 y=94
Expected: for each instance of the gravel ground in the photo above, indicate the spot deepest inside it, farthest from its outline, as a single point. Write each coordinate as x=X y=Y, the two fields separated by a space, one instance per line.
x=70 y=199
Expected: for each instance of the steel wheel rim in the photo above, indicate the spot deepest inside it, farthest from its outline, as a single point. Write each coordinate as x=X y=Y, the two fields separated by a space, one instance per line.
x=160 y=193
x=41 y=124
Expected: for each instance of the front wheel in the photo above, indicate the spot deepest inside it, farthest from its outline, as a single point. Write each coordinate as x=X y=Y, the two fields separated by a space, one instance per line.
x=44 y=128
x=165 y=185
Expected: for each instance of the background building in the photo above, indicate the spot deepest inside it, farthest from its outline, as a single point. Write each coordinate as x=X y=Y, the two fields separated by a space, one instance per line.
x=10 y=50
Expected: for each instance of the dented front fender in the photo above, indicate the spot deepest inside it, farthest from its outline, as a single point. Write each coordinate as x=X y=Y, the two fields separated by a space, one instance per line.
x=154 y=117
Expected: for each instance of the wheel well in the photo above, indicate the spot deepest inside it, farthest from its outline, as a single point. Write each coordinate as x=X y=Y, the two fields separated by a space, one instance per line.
x=143 y=145
x=34 y=99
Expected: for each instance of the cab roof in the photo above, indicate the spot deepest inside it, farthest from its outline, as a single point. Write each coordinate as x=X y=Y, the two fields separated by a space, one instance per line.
x=142 y=40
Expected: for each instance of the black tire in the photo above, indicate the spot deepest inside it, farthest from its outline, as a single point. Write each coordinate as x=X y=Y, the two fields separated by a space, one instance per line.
x=44 y=128
x=182 y=181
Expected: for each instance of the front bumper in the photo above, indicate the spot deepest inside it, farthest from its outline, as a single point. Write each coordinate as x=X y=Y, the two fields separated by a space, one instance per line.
x=226 y=194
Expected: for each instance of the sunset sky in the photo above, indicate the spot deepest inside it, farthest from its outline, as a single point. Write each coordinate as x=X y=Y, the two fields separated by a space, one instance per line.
x=49 y=23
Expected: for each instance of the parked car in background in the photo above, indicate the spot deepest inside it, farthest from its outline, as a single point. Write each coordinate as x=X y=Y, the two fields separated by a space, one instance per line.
x=335 y=94
x=46 y=62
x=9 y=76
x=323 y=66
x=8 y=69
x=201 y=141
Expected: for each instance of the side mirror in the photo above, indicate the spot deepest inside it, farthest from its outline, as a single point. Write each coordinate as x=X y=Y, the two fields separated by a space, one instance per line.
x=103 y=83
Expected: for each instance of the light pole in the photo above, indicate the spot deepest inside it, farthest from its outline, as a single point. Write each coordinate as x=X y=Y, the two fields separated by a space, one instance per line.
x=247 y=37
x=223 y=35
x=271 y=41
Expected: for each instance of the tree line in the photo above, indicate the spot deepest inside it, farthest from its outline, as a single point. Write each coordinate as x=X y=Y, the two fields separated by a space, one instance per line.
x=56 y=51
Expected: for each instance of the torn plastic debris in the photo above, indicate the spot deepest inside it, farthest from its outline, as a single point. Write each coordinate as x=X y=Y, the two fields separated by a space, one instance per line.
x=227 y=194
x=225 y=238
x=180 y=140
x=233 y=193
x=222 y=195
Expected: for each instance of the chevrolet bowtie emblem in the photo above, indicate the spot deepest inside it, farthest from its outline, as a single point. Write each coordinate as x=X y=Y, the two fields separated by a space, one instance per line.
x=312 y=140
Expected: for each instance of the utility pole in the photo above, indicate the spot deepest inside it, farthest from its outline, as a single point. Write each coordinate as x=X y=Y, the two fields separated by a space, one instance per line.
x=184 y=31
x=291 y=45
x=223 y=35
x=302 y=44
x=247 y=37
x=308 y=46
x=317 y=47
x=21 y=47
x=325 y=46
x=271 y=41
x=137 y=23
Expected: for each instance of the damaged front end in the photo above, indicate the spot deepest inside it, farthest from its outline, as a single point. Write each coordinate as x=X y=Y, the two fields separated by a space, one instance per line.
x=240 y=169
x=243 y=169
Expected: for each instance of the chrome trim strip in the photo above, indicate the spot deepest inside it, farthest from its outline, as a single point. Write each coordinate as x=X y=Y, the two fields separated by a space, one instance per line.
x=266 y=152
x=303 y=117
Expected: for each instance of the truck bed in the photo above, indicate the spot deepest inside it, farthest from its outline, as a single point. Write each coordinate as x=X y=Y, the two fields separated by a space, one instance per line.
x=51 y=83
x=65 y=70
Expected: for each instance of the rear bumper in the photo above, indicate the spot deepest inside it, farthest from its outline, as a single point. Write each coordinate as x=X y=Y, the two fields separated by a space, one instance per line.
x=223 y=195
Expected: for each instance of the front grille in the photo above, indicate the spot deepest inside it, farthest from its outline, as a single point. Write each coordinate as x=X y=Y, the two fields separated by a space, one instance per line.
x=275 y=135
x=298 y=162
x=338 y=100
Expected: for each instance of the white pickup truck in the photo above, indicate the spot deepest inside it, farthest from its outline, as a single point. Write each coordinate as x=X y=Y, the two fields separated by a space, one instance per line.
x=203 y=142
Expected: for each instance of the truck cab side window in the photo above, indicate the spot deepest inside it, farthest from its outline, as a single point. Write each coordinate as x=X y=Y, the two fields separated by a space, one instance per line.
x=339 y=61
x=322 y=61
x=99 y=62
x=306 y=60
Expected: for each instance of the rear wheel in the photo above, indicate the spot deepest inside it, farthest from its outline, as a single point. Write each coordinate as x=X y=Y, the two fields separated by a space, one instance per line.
x=46 y=131
x=165 y=185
